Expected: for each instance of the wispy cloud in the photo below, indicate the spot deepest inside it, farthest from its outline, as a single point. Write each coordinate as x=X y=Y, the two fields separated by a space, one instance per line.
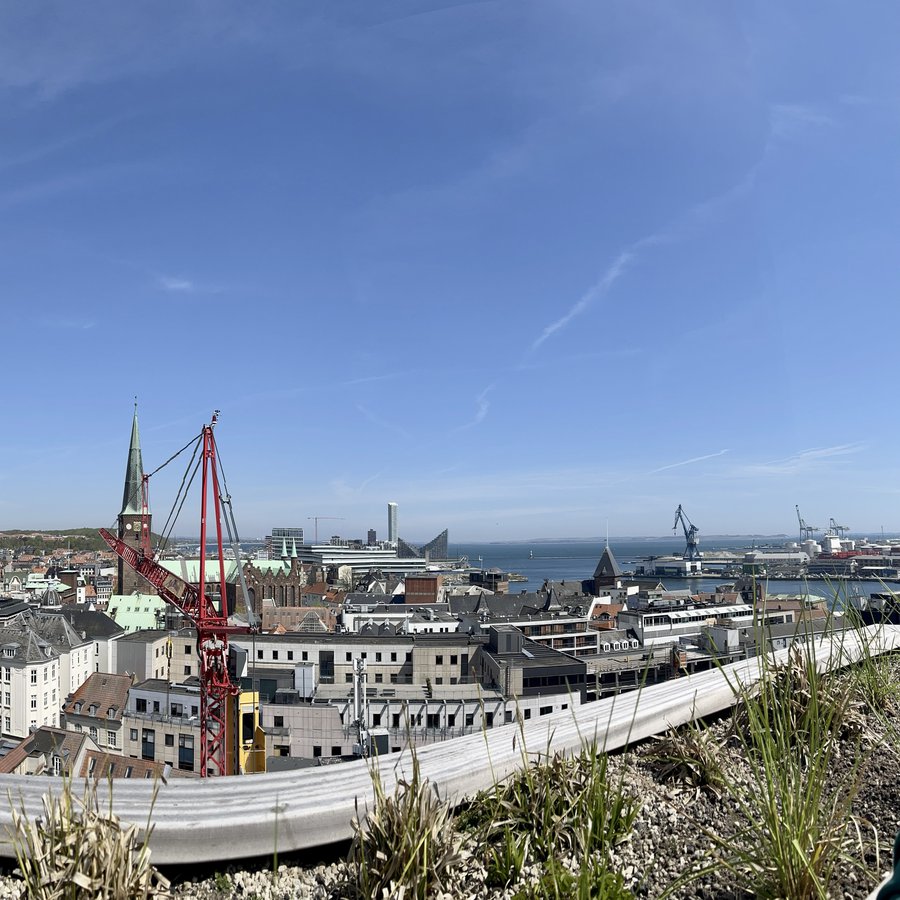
x=799 y=462
x=382 y=423
x=607 y=280
x=482 y=405
x=698 y=215
x=688 y=462
x=66 y=324
x=176 y=285
x=790 y=120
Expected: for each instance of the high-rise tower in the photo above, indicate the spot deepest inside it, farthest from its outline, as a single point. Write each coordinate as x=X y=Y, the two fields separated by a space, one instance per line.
x=131 y=518
x=392 y=523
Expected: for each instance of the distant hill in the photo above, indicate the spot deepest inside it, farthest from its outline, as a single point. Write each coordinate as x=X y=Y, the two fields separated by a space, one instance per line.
x=41 y=541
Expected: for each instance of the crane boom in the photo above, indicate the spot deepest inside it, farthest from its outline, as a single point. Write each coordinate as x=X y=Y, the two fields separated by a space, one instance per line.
x=692 y=542
x=806 y=531
x=210 y=619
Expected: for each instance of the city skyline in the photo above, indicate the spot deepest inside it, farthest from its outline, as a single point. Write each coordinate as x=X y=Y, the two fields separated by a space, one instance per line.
x=524 y=269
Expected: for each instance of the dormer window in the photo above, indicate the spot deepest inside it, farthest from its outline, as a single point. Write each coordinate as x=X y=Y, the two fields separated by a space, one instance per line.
x=92 y=709
x=78 y=706
x=110 y=713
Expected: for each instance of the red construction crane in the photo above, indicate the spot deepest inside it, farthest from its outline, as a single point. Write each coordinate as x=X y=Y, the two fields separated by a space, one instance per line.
x=209 y=616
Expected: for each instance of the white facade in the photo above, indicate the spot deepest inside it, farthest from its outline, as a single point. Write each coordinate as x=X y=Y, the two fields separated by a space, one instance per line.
x=30 y=694
x=392 y=524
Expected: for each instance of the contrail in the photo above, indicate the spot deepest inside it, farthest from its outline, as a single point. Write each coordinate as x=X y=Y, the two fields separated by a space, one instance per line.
x=687 y=462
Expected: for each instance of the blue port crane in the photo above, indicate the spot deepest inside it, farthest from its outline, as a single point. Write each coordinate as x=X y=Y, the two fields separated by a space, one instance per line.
x=806 y=531
x=692 y=541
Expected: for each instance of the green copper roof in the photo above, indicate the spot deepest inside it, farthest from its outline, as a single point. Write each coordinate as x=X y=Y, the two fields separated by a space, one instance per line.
x=131 y=499
x=136 y=612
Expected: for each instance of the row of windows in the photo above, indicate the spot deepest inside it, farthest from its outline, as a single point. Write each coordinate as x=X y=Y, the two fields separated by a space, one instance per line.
x=185 y=746
x=111 y=736
x=142 y=705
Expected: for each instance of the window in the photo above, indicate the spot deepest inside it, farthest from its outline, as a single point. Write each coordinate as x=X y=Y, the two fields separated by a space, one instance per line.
x=451 y=720
x=348 y=677
x=111 y=738
x=93 y=732
x=34 y=702
x=378 y=678
x=177 y=709
x=186 y=752
x=489 y=719
x=304 y=656
x=317 y=751
x=470 y=720
x=34 y=676
x=46 y=673
x=132 y=734
x=545 y=710
x=128 y=771
x=6 y=699
x=454 y=660
x=78 y=727
x=393 y=657
x=349 y=657
x=278 y=721
x=377 y=657
x=439 y=659
x=335 y=750
x=290 y=654
x=527 y=713
x=187 y=670
x=6 y=673
x=140 y=704
x=187 y=649
x=433 y=720
x=156 y=706
x=148 y=743
x=170 y=740
x=409 y=656
x=274 y=654
x=6 y=725
x=376 y=720
x=259 y=654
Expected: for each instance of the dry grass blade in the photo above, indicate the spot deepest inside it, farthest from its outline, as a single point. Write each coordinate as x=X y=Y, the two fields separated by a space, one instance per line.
x=405 y=845
x=690 y=756
x=75 y=850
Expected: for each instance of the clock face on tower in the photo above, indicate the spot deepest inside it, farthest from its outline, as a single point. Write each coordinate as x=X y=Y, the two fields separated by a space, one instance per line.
x=128 y=526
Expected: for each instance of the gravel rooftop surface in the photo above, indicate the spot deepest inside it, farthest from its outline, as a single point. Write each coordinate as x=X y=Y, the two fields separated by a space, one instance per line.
x=670 y=835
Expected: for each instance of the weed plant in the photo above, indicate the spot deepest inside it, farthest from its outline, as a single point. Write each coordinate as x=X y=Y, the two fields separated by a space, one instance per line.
x=405 y=846
x=76 y=851
x=690 y=756
x=797 y=801
x=560 y=808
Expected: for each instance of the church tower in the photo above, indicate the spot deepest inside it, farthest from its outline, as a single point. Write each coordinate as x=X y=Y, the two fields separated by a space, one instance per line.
x=130 y=517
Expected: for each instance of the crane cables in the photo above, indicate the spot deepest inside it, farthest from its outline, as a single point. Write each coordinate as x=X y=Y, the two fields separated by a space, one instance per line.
x=135 y=500
x=183 y=489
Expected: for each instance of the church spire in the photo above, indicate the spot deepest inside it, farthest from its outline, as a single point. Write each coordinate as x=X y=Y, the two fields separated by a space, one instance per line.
x=134 y=473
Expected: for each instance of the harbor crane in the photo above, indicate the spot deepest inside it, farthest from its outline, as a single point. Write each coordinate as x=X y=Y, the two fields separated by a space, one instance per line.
x=839 y=530
x=806 y=531
x=692 y=542
x=207 y=612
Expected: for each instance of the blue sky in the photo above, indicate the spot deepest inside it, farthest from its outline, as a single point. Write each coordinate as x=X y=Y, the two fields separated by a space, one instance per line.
x=522 y=267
